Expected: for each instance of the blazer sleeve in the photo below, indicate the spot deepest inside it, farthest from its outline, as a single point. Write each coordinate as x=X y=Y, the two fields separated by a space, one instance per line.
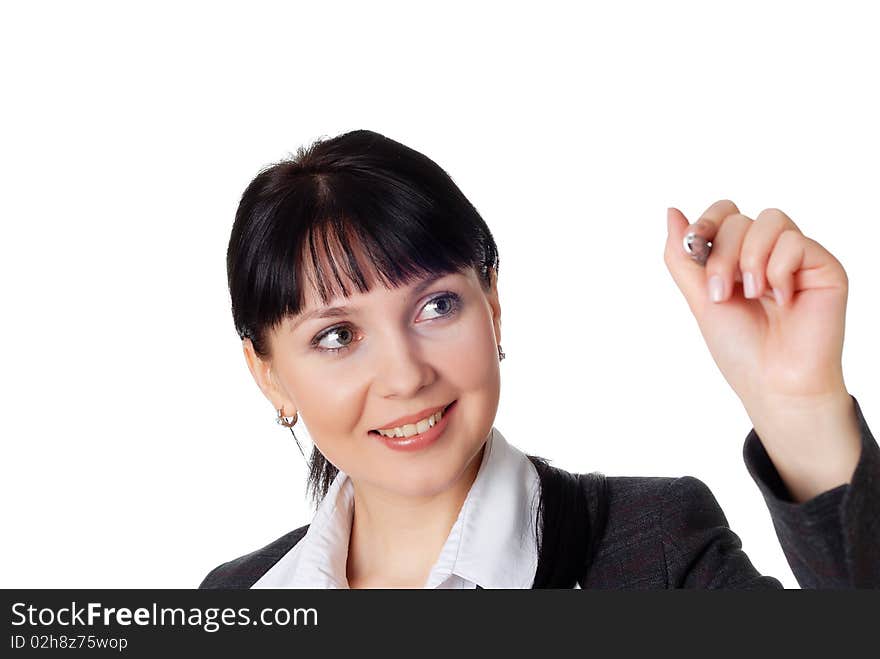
x=830 y=541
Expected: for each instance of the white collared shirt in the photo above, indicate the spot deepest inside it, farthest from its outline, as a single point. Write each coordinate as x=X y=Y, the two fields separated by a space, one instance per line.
x=492 y=542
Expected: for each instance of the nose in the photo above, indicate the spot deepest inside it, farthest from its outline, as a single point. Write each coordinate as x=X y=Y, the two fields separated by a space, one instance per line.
x=402 y=369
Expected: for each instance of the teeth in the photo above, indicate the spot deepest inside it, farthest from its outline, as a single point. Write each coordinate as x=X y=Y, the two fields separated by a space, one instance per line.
x=411 y=429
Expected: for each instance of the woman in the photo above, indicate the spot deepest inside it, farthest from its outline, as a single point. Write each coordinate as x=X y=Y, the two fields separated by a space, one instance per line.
x=364 y=288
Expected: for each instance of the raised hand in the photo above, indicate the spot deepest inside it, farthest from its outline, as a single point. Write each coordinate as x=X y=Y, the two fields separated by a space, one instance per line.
x=771 y=305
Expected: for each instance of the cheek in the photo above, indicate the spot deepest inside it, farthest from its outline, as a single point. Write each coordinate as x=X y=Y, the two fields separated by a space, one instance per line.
x=472 y=358
x=470 y=366
x=331 y=405
x=473 y=371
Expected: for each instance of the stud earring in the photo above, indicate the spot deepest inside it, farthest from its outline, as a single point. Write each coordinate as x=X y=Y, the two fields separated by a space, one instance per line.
x=501 y=354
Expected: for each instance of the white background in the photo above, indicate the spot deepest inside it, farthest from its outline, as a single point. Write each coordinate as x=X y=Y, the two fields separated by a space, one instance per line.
x=138 y=451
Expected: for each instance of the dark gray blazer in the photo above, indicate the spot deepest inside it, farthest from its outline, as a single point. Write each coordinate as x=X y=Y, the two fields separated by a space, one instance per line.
x=665 y=532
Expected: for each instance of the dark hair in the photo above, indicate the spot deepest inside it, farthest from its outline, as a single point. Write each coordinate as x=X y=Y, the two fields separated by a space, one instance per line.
x=357 y=191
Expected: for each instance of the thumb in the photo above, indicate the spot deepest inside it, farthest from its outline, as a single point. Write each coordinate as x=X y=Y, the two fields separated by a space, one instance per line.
x=689 y=276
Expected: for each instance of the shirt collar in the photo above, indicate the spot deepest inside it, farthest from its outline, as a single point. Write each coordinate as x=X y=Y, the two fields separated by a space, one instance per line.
x=492 y=542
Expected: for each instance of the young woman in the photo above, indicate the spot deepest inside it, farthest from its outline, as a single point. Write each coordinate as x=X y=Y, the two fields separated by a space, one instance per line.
x=364 y=288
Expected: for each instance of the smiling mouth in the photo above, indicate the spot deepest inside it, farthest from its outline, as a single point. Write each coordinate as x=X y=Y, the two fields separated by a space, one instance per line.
x=445 y=409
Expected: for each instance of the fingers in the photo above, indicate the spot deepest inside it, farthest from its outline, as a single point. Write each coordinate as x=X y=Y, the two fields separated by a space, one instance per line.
x=723 y=225
x=760 y=241
x=744 y=250
x=798 y=263
x=722 y=267
x=712 y=218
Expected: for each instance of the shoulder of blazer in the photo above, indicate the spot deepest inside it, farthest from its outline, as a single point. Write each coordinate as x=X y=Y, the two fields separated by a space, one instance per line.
x=628 y=553
x=244 y=571
x=669 y=532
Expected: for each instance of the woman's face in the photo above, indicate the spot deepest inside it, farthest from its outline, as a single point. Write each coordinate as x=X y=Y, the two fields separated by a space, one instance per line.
x=400 y=351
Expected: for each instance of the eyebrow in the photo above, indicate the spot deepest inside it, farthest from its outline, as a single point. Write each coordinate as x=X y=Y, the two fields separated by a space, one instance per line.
x=343 y=310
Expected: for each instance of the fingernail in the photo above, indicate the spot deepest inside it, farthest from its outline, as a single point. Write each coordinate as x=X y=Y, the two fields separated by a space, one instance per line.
x=749 y=285
x=778 y=295
x=716 y=288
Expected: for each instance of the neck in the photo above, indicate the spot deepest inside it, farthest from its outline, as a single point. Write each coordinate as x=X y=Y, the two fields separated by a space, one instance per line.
x=395 y=540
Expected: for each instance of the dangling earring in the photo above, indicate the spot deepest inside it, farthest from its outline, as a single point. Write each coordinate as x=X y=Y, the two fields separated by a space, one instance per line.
x=290 y=422
x=501 y=354
x=287 y=421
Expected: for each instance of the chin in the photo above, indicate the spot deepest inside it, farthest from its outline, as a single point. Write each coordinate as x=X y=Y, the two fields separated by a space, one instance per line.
x=417 y=481
x=432 y=475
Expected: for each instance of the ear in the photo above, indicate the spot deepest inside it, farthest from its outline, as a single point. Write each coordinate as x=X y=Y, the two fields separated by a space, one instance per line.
x=265 y=378
x=495 y=304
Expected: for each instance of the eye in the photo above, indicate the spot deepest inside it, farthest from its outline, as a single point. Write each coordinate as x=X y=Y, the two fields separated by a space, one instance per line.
x=446 y=304
x=344 y=334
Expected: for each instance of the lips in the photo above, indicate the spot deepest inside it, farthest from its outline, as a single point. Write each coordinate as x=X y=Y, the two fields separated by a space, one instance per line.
x=413 y=418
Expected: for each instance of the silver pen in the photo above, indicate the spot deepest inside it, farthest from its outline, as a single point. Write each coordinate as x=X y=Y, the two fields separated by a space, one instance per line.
x=697 y=247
